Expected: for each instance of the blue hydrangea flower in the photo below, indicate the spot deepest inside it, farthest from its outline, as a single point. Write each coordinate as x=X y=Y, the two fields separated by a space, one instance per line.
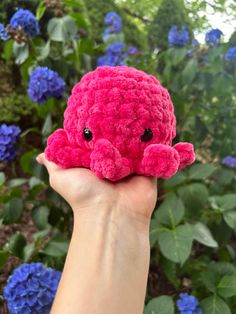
x=114 y=55
x=24 y=19
x=31 y=289
x=3 y=33
x=45 y=83
x=114 y=21
x=212 y=37
x=188 y=304
x=231 y=54
x=229 y=161
x=8 y=137
x=132 y=51
x=178 y=38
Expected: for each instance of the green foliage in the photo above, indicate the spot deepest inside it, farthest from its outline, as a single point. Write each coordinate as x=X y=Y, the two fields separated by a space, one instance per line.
x=192 y=231
x=160 y=305
x=15 y=107
x=97 y=12
x=170 y=12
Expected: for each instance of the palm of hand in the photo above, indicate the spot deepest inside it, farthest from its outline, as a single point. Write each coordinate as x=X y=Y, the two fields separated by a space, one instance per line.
x=81 y=188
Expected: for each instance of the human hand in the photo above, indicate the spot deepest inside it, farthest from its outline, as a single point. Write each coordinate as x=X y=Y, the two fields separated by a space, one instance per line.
x=82 y=189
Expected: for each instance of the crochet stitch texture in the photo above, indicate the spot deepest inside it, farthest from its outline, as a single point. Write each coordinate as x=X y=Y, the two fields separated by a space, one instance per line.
x=119 y=121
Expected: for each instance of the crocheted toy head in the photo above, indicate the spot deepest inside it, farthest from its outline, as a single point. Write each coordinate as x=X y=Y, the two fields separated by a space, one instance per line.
x=119 y=121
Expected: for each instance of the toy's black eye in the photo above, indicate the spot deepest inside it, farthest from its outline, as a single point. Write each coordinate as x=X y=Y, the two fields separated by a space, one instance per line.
x=147 y=135
x=88 y=135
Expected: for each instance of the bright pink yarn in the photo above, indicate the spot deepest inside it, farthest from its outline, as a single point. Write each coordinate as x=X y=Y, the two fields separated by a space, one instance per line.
x=117 y=104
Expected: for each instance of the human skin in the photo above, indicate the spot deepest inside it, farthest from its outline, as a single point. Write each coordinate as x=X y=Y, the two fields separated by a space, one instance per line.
x=107 y=263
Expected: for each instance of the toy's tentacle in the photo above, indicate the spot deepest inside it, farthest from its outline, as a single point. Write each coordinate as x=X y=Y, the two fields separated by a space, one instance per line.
x=107 y=162
x=61 y=152
x=160 y=161
x=186 y=154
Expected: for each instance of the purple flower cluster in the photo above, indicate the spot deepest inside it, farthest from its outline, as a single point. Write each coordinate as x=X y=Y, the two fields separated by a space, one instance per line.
x=45 y=83
x=31 y=289
x=3 y=33
x=24 y=19
x=114 y=23
x=231 y=54
x=188 y=304
x=212 y=37
x=178 y=38
x=8 y=137
x=114 y=55
x=229 y=161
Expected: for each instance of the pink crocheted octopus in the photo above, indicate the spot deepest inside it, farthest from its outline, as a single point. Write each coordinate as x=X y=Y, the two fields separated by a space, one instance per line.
x=119 y=121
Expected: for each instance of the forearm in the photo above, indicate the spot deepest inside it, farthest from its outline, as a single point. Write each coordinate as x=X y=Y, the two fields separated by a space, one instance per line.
x=107 y=264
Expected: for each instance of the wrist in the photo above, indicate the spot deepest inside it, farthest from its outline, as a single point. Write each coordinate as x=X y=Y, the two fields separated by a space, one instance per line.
x=112 y=214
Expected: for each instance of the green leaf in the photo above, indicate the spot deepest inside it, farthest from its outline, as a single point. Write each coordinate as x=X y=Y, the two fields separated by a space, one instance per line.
x=33 y=181
x=226 y=202
x=44 y=51
x=38 y=236
x=8 y=50
x=2 y=178
x=56 y=248
x=170 y=270
x=161 y=305
x=201 y=171
x=176 y=55
x=47 y=126
x=3 y=258
x=28 y=251
x=40 y=10
x=210 y=280
x=214 y=305
x=17 y=182
x=153 y=232
x=224 y=176
x=21 y=52
x=171 y=211
x=222 y=268
x=227 y=286
x=40 y=217
x=176 y=244
x=202 y=234
x=62 y=28
x=194 y=196
x=177 y=179
x=190 y=70
x=27 y=161
x=12 y=211
x=16 y=245
x=80 y=20
x=230 y=218
x=86 y=45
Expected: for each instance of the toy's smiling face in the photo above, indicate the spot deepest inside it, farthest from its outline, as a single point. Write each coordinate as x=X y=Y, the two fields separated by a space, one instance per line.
x=126 y=106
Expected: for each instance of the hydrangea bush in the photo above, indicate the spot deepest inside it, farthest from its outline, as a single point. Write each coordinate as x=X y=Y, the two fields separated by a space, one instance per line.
x=31 y=289
x=192 y=232
x=45 y=83
x=25 y=20
x=8 y=137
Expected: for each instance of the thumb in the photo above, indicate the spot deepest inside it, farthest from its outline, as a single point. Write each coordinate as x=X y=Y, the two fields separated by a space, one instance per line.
x=42 y=160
